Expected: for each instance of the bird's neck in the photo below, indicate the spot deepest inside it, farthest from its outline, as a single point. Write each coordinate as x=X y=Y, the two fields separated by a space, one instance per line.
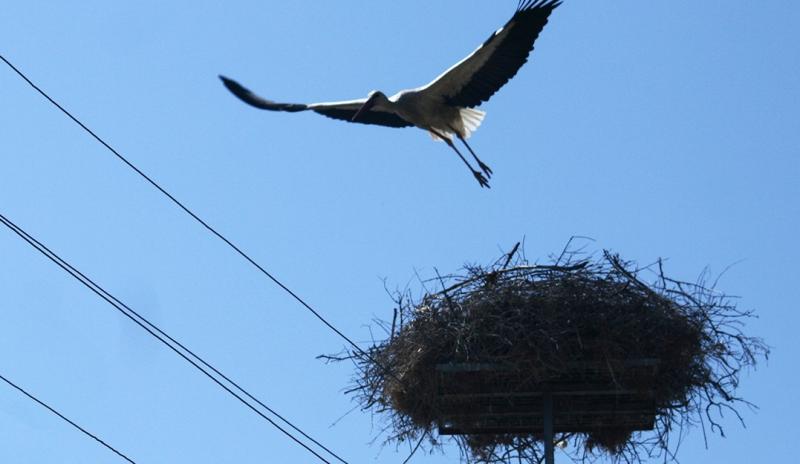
x=384 y=104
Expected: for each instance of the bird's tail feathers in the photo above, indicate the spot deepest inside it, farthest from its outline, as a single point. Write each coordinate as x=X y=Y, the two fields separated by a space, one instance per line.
x=471 y=119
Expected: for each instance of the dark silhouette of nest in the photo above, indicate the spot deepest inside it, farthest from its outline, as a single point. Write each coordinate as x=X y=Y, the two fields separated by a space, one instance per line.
x=539 y=319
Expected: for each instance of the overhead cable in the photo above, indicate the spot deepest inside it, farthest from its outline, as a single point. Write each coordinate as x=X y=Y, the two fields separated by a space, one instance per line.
x=66 y=419
x=165 y=339
x=189 y=211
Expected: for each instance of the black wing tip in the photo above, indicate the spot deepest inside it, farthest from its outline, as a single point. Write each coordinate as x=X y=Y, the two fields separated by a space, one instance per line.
x=232 y=85
x=247 y=96
x=241 y=92
x=527 y=5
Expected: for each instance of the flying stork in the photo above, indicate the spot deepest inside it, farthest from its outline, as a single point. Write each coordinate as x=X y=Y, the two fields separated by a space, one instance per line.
x=446 y=106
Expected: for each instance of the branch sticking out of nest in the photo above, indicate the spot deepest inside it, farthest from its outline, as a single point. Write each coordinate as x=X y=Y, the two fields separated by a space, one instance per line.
x=540 y=322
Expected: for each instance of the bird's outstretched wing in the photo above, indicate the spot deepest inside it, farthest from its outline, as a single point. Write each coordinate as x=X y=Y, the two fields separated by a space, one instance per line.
x=477 y=77
x=344 y=110
x=250 y=98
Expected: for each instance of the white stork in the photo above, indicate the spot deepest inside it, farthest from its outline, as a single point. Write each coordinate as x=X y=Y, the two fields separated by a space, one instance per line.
x=444 y=107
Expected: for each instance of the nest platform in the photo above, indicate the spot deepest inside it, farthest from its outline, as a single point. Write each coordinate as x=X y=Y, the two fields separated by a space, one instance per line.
x=618 y=363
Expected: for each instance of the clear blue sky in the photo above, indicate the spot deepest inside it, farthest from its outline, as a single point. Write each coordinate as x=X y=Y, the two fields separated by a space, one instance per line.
x=660 y=129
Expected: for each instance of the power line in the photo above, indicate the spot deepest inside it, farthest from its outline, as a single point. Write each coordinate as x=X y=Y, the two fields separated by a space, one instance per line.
x=204 y=223
x=83 y=277
x=146 y=325
x=188 y=211
x=86 y=432
x=211 y=229
x=161 y=336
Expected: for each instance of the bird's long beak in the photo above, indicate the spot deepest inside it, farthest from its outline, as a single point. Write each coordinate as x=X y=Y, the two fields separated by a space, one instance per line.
x=364 y=108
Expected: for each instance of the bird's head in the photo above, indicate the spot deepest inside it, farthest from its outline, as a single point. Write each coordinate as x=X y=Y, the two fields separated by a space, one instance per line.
x=375 y=97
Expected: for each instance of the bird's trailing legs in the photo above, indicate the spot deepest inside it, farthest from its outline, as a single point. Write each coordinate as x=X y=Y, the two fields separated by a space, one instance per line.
x=486 y=169
x=478 y=175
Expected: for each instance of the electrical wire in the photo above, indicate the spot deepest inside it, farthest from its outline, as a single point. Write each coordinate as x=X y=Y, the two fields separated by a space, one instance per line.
x=66 y=419
x=161 y=336
x=205 y=225
x=189 y=211
x=181 y=345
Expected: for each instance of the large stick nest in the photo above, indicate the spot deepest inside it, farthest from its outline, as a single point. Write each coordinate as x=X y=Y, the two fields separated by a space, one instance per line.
x=542 y=318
